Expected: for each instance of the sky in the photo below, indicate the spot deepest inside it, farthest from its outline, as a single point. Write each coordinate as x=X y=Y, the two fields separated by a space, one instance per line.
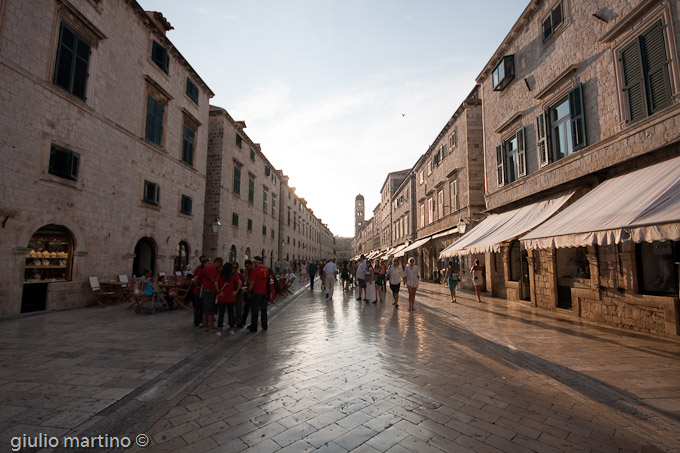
x=339 y=93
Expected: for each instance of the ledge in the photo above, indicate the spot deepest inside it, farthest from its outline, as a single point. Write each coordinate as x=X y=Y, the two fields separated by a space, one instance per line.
x=556 y=81
x=508 y=122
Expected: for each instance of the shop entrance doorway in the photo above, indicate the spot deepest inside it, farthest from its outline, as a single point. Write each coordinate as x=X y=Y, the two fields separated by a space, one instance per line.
x=145 y=257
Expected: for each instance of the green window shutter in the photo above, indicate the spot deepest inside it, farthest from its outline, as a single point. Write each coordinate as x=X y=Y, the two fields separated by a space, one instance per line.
x=633 y=85
x=237 y=180
x=578 y=123
x=188 y=145
x=521 y=154
x=656 y=74
x=500 y=164
x=160 y=110
x=149 y=119
x=542 y=135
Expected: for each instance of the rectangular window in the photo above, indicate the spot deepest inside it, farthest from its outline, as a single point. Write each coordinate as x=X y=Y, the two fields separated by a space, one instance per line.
x=252 y=155
x=430 y=210
x=250 y=224
x=264 y=230
x=154 y=121
x=239 y=141
x=234 y=219
x=185 y=207
x=265 y=200
x=440 y=202
x=561 y=129
x=73 y=58
x=511 y=159
x=454 y=195
x=656 y=268
x=453 y=140
x=159 y=55
x=429 y=167
x=64 y=163
x=237 y=180
x=444 y=150
x=272 y=231
x=251 y=190
x=289 y=217
x=152 y=193
x=503 y=73
x=646 y=82
x=192 y=90
x=422 y=215
x=274 y=205
x=552 y=22
x=437 y=159
x=421 y=177
x=188 y=144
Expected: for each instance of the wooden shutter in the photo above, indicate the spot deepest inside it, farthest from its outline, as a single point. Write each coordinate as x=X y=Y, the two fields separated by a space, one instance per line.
x=656 y=74
x=578 y=124
x=521 y=154
x=542 y=135
x=500 y=164
x=633 y=85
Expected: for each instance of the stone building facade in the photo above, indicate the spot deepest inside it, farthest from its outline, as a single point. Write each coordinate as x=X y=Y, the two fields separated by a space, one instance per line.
x=577 y=94
x=449 y=184
x=243 y=192
x=403 y=209
x=386 y=207
x=104 y=128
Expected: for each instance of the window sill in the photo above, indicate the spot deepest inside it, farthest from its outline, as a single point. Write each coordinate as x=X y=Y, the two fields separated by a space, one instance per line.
x=149 y=205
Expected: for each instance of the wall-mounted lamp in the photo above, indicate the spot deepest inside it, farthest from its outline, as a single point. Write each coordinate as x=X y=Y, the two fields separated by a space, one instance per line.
x=216 y=225
x=462 y=226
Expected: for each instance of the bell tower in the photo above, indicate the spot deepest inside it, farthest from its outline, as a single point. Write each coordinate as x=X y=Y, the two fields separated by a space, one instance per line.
x=359 y=213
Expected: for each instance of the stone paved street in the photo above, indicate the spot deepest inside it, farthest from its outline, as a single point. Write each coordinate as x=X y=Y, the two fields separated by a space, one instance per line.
x=344 y=376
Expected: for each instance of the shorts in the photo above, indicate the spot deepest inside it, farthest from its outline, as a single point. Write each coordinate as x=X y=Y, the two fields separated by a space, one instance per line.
x=395 y=288
x=379 y=279
x=362 y=283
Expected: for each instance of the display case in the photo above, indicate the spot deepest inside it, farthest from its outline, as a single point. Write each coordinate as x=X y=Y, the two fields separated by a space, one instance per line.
x=49 y=259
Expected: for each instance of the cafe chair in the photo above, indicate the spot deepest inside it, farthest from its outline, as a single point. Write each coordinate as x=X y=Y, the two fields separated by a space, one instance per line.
x=101 y=296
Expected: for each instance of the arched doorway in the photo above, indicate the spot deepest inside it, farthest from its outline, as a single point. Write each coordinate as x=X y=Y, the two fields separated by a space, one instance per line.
x=247 y=255
x=181 y=257
x=145 y=256
x=50 y=259
x=232 y=254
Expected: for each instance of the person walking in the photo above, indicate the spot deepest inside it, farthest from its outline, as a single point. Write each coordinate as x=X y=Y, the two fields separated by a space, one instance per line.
x=344 y=276
x=370 y=283
x=209 y=293
x=412 y=280
x=395 y=275
x=247 y=295
x=258 y=285
x=477 y=279
x=452 y=279
x=330 y=271
x=361 y=276
x=311 y=270
x=380 y=270
x=198 y=283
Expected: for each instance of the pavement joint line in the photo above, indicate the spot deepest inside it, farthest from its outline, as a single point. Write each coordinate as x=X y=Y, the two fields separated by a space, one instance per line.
x=132 y=411
x=622 y=405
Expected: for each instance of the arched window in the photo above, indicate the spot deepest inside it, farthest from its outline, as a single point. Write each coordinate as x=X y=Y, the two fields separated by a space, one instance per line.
x=247 y=256
x=181 y=257
x=232 y=254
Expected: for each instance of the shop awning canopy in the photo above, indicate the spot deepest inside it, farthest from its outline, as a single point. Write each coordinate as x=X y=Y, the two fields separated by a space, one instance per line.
x=497 y=228
x=413 y=246
x=641 y=206
x=452 y=230
x=395 y=251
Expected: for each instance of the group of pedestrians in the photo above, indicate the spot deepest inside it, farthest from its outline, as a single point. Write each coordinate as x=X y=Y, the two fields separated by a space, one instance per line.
x=223 y=288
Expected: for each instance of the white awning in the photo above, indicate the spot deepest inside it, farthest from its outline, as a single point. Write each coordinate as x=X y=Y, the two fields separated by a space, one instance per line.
x=398 y=249
x=413 y=246
x=446 y=232
x=641 y=206
x=497 y=228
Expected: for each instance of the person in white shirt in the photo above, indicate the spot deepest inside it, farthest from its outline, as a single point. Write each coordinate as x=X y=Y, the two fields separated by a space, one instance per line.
x=395 y=275
x=412 y=280
x=330 y=271
x=361 y=276
x=290 y=278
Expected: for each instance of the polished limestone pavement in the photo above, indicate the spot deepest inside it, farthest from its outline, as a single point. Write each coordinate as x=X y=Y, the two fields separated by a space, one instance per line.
x=343 y=375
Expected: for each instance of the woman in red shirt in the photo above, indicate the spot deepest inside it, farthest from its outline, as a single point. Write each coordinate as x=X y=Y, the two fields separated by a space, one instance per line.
x=229 y=283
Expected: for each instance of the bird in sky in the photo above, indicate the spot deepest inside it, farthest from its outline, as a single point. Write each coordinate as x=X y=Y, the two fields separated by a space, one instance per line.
x=403 y=115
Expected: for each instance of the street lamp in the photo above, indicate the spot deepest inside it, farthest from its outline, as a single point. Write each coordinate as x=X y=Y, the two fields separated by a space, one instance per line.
x=462 y=226
x=216 y=225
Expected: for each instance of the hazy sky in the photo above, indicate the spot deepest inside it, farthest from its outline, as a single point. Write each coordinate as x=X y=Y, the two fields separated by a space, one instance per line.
x=322 y=84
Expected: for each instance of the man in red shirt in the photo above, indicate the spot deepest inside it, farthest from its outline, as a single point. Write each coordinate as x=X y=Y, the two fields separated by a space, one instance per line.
x=258 y=284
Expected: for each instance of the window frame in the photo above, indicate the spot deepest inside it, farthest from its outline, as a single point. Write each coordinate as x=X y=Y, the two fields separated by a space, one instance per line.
x=155 y=199
x=154 y=123
x=250 y=225
x=551 y=17
x=188 y=145
x=186 y=203
x=70 y=159
x=251 y=189
x=236 y=186
x=162 y=61
x=234 y=219
x=74 y=59
x=192 y=91
x=508 y=63
x=502 y=158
